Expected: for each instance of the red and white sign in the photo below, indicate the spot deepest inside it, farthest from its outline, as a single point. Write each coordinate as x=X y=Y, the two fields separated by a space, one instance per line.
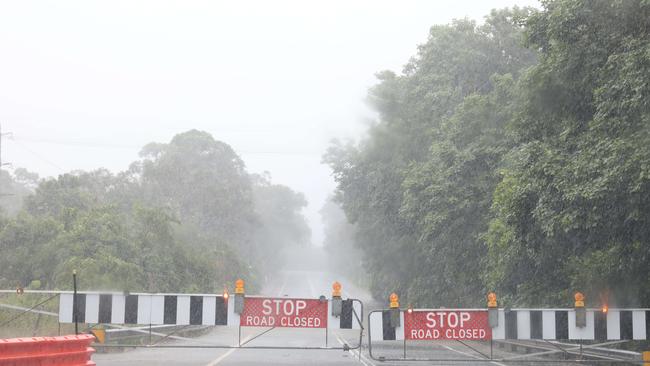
x=283 y=312
x=442 y=325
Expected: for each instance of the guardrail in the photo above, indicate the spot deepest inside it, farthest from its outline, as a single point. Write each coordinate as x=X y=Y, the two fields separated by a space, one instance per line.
x=63 y=350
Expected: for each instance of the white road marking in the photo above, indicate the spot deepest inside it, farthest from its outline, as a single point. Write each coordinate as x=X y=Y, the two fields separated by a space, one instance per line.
x=228 y=353
x=471 y=355
x=222 y=357
x=355 y=354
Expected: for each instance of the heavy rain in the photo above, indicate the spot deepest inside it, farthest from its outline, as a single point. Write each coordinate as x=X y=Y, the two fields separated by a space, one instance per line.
x=310 y=182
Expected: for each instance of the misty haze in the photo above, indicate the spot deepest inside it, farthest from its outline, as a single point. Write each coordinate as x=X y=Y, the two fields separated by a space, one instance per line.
x=330 y=183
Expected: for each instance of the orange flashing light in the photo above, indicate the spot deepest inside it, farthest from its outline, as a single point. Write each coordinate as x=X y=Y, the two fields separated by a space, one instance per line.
x=394 y=300
x=336 y=289
x=492 y=300
x=605 y=309
x=579 y=300
x=239 y=286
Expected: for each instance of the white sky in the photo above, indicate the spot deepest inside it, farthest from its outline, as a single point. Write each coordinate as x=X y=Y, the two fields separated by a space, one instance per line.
x=86 y=84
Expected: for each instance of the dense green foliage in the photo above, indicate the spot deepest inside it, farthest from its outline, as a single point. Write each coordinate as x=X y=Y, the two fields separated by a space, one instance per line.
x=511 y=156
x=186 y=217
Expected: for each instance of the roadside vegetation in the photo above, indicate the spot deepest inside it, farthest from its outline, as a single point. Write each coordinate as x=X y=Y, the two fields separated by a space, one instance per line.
x=185 y=217
x=511 y=156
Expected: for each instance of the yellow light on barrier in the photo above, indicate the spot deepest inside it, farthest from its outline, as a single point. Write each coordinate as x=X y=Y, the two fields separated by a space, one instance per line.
x=239 y=286
x=580 y=300
x=410 y=309
x=492 y=300
x=226 y=295
x=394 y=300
x=100 y=334
x=336 y=289
x=605 y=309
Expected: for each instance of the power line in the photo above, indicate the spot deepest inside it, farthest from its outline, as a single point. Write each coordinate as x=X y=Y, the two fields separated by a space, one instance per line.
x=36 y=154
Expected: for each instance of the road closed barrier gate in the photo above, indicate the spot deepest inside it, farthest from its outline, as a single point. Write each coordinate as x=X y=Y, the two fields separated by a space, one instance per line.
x=234 y=311
x=543 y=335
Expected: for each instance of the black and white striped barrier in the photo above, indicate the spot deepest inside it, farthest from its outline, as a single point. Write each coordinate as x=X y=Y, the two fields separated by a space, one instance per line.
x=147 y=309
x=522 y=324
x=198 y=309
x=351 y=315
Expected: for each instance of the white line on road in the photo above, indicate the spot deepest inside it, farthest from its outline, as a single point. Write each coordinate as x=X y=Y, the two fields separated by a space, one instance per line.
x=228 y=353
x=356 y=354
x=222 y=357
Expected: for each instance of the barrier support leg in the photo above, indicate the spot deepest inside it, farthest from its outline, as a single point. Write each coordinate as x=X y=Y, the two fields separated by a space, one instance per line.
x=491 y=353
x=74 y=302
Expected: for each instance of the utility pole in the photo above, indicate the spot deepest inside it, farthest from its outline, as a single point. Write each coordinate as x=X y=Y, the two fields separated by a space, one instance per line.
x=2 y=134
x=2 y=164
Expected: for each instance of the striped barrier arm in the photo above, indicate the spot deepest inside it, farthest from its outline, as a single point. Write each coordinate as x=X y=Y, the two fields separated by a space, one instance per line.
x=547 y=324
x=350 y=318
x=147 y=309
x=380 y=328
x=175 y=309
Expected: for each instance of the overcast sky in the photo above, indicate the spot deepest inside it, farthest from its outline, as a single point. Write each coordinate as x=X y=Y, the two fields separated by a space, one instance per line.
x=85 y=84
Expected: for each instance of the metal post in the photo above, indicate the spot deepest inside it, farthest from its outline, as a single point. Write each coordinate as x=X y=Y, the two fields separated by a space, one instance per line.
x=149 y=333
x=491 y=354
x=74 y=301
x=326 y=336
x=240 y=336
x=404 y=347
x=580 y=348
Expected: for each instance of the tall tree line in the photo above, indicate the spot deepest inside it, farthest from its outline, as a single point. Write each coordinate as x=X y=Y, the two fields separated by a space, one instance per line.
x=186 y=216
x=510 y=156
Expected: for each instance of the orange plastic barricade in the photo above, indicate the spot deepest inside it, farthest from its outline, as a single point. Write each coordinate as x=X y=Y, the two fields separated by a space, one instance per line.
x=73 y=350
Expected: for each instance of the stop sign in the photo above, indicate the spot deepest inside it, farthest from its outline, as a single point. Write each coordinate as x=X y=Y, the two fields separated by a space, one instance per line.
x=284 y=312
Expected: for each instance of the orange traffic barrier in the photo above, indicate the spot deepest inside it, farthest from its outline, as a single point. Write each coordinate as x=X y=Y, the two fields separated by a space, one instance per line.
x=71 y=350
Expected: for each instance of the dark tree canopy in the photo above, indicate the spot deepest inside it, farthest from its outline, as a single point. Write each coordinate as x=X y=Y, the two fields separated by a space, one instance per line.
x=511 y=156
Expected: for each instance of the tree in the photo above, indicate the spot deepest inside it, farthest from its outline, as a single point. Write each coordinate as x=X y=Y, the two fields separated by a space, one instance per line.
x=184 y=218
x=280 y=223
x=572 y=211
x=399 y=184
x=202 y=180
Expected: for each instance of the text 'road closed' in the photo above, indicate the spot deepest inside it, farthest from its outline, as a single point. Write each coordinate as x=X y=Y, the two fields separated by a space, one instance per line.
x=282 y=312
x=442 y=325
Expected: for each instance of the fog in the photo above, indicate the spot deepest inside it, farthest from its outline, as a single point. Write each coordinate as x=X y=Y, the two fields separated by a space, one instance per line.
x=85 y=85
